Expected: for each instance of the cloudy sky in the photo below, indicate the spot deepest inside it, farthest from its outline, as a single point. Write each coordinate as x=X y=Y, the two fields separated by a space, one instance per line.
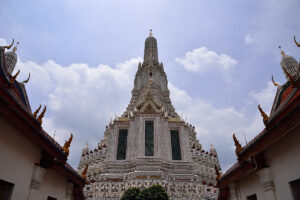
x=219 y=57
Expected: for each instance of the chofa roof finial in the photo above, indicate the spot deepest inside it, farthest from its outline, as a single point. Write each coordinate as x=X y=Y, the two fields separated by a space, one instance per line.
x=274 y=83
x=264 y=115
x=13 y=78
x=26 y=81
x=37 y=111
x=9 y=46
x=67 y=145
x=238 y=146
x=297 y=44
x=40 y=117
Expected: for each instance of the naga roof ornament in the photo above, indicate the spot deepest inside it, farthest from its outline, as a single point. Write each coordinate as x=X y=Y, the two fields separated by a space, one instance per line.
x=264 y=115
x=40 y=117
x=238 y=146
x=274 y=83
x=37 y=111
x=67 y=145
x=9 y=46
x=13 y=78
x=26 y=81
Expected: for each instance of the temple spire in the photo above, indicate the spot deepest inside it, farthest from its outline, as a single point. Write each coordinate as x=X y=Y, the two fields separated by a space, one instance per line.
x=150 y=53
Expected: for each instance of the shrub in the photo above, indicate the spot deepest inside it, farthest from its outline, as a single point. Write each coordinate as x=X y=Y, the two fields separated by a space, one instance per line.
x=155 y=192
x=131 y=194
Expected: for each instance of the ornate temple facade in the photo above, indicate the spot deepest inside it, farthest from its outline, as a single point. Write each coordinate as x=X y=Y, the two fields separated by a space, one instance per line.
x=150 y=144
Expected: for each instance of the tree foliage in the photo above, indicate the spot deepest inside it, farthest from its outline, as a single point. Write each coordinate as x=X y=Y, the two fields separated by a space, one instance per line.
x=154 y=192
x=131 y=194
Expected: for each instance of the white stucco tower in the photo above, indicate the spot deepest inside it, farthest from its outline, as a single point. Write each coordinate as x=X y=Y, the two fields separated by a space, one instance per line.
x=150 y=144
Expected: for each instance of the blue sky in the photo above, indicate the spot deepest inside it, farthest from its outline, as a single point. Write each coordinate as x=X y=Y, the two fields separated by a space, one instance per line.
x=218 y=55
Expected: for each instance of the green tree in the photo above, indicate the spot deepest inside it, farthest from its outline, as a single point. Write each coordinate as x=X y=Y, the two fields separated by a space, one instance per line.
x=131 y=194
x=155 y=192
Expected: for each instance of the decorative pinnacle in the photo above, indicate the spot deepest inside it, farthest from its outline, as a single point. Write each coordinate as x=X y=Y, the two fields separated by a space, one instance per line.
x=150 y=34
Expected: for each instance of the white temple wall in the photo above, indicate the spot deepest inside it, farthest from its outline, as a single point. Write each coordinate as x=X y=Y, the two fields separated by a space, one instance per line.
x=18 y=156
x=17 y=166
x=284 y=161
x=248 y=186
x=53 y=185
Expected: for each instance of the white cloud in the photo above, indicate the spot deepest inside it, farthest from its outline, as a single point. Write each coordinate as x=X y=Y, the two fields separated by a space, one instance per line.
x=273 y=25
x=248 y=39
x=202 y=60
x=80 y=99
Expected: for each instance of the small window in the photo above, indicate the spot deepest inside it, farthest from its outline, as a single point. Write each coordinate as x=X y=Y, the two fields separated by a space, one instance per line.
x=122 y=144
x=6 y=190
x=295 y=189
x=149 y=138
x=252 y=197
x=150 y=74
x=51 y=198
x=175 y=142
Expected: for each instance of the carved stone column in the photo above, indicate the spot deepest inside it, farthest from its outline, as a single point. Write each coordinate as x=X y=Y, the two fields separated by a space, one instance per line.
x=37 y=177
x=266 y=180
x=233 y=191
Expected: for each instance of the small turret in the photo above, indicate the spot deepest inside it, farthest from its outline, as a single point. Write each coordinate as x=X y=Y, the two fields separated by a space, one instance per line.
x=288 y=63
x=11 y=59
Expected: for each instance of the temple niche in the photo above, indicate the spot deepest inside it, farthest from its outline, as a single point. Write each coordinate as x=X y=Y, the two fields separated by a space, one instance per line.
x=150 y=144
